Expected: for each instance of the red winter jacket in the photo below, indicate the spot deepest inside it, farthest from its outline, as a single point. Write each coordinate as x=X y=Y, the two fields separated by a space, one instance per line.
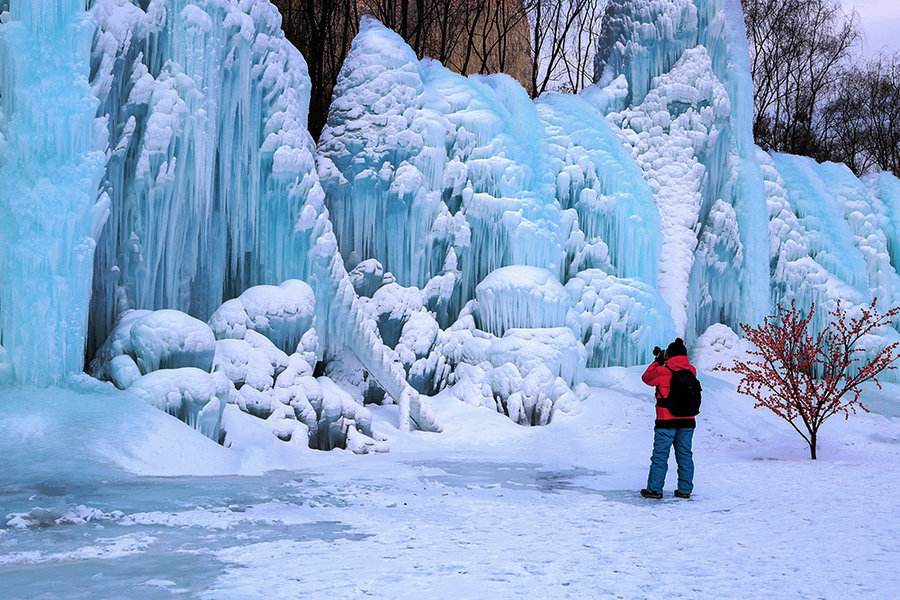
x=660 y=377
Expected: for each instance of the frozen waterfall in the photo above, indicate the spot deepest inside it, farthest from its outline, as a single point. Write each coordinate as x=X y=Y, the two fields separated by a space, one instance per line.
x=51 y=163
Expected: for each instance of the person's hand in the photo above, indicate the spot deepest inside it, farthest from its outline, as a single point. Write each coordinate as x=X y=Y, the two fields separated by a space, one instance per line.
x=661 y=358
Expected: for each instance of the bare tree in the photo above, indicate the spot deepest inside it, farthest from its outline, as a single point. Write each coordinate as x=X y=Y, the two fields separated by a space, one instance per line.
x=499 y=33
x=468 y=36
x=557 y=28
x=862 y=122
x=798 y=48
x=582 y=47
x=322 y=30
x=880 y=86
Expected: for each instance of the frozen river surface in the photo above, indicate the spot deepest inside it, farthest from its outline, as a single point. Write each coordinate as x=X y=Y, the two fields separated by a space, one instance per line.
x=486 y=509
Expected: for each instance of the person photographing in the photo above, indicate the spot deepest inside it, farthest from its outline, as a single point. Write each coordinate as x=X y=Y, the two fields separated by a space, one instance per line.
x=677 y=404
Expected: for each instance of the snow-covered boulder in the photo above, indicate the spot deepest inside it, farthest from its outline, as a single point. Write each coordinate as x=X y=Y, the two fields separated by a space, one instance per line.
x=193 y=396
x=144 y=341
x=170 y=339
x=118 y=343
x=528 y=374
x=243 y=364
x=555 y=349
x=123 y=371
x=391 y=307
x=529 y=399
x=368 y=276
x=297 y=367
x=282 y=313
x=719 y=346
x=523 y=297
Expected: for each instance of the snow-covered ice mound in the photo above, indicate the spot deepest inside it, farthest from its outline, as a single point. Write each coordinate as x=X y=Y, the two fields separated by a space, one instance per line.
x=193 y=396
x=146 y=341
x=282 y=313
x=521 y=297
x=719 y=346
x=619 y=320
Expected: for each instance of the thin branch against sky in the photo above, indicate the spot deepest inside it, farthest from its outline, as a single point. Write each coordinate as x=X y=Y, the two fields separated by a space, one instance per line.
x=880 y=21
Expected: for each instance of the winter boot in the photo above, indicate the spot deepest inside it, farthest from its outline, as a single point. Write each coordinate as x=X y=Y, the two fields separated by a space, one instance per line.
x=645 y=493
x=680 y=494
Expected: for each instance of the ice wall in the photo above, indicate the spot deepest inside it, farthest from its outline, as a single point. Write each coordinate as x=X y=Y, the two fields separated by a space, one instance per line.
x=832 y=236
x=50 y=166
x=498 y=245
x=434 y=174
x=210 y=163
x=212 y=176
x=686 y=112
x=446 y=179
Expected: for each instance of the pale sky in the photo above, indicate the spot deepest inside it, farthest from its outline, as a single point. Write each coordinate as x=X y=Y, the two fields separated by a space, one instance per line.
x=880 y=21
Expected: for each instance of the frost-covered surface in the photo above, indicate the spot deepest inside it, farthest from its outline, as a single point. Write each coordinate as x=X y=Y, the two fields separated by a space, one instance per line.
x=449 y=513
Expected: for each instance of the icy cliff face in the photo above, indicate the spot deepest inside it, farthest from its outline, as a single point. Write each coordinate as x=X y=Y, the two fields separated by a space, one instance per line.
x=686 y=113
x=832 y=238
x=447 y=180
x=214 y=190
x=644 y=195
x=210 y=183
x=50 y=166
x=437 y=176
x=206 y=107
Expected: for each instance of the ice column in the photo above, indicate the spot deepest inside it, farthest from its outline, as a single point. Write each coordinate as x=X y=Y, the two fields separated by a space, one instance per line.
x=50 y=169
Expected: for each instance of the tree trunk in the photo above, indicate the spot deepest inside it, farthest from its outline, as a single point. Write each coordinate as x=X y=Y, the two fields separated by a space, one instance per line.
x=812 y=446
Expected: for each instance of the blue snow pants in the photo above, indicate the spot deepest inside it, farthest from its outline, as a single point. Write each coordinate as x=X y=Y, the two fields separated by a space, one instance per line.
x=663 y=439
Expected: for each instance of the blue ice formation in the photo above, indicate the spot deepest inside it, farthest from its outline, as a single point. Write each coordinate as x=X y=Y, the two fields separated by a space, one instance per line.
x=436 y=175
x=445 y=179
x=205 y=105
x=687 y=116
x=51 y=212
x=208 y=179
x=167 y=219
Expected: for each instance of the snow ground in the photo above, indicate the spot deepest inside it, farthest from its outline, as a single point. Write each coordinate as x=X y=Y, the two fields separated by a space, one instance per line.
x=487 y=509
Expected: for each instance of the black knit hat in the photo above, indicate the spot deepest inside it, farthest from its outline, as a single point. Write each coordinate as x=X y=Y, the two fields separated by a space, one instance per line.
x=676 y=348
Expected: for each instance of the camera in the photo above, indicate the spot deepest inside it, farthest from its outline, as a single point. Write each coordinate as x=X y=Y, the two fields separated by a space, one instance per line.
x=659 y=355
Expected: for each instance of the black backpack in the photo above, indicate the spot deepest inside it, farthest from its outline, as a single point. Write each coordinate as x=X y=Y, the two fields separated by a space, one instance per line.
x=684 y=394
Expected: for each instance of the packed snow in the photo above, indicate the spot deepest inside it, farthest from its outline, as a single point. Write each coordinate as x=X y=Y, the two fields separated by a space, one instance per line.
x=485 y=507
